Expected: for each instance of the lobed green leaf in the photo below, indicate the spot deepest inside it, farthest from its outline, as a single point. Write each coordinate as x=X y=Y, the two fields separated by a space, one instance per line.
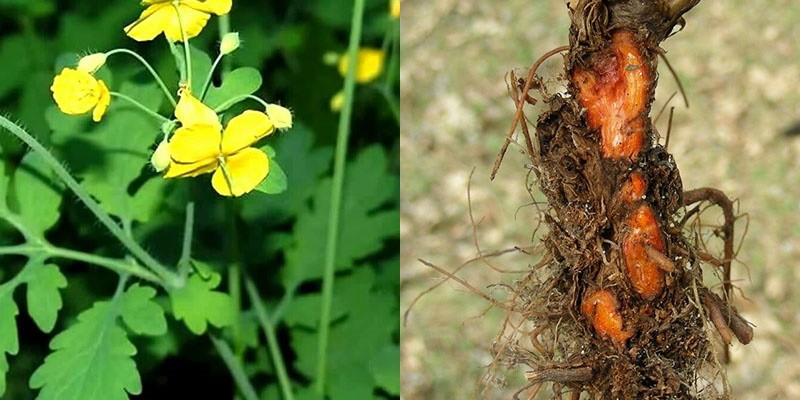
x=43 y=296
x=197 y=304
x=92 y=359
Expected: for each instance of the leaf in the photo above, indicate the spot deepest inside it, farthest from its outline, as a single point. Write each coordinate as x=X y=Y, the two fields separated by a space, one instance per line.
x=196 y=304
x=385 y=368
x=239 y=82
x=9 y=343
x=201 y=65
x=43 y=297
x=110 y=155
x=275 y=182
x=37 y=194
x=140 y=313
x=300 y=162
x=92 y=359
x=364 y=221
x=371 y=317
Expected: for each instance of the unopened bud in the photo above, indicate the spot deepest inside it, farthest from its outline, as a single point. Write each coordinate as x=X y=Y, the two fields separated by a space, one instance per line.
x=230 y=42
x=160 y=159
x=91 y=63
x=337 y=101
x=280 y=116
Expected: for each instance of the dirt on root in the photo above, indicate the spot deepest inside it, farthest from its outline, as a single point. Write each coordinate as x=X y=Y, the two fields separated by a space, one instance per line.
x=617 y=307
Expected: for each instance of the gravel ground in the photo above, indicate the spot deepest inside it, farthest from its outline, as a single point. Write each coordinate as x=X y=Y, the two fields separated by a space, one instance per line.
x=739 y=64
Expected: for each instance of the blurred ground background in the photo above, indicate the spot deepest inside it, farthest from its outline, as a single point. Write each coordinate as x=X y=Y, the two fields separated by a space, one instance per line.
x=739 y=64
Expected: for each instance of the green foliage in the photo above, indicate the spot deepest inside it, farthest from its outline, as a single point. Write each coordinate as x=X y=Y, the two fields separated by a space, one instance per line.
x=92 y=359
x=105 y=346
x=365 y=225
x=239 y=82
x=198 y=305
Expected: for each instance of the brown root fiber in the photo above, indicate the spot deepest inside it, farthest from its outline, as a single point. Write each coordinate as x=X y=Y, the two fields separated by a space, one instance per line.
x=617 y=307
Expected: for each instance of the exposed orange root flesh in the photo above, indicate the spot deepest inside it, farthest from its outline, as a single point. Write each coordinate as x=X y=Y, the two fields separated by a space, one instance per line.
x=614 y=92
x=602 y=310
x=634 y=189
x=644 y=272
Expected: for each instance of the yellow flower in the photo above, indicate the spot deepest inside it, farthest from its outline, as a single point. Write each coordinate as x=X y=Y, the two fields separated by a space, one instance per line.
x=200 y=146
x=162 y=16
x=369 y=67
x=77 y=92
x=394 y=8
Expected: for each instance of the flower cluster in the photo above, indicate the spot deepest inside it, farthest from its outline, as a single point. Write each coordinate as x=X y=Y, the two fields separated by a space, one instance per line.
x=195 y=142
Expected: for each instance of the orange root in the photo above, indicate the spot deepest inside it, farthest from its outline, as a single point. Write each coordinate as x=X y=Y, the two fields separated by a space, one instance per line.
x=644 y=272
x=601 y=309
x=615 y=92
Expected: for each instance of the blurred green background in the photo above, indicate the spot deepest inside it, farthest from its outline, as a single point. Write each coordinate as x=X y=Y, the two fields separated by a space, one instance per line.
x=277 y=235
x=739 y=64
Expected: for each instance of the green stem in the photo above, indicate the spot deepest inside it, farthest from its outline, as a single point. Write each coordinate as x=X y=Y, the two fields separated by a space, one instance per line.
x=134 y=248
x=272 y=340
x=141 y=106
x=186 y=51
x=186 y=248
x=336 y=198
x=288 y=296
x=224 y=29
x=237 y=99
x=237 y=371
x=235 y=280
x=207 y=83
x=150 y=69
x=116 y=265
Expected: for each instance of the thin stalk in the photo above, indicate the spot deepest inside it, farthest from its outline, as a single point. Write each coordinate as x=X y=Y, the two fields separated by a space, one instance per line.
x=237 y=371
x=186 y=248
x=150 y=69
x=186 y=52
x=224 y=29
x=116 y=265
x=134 y=248
x=235 y=280
x=336 y=197
x=272 y=341
x=141 y=106
x=207 y=83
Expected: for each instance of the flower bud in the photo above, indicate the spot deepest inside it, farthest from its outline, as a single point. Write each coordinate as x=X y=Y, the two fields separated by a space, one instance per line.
x=230 y=42
x=280 y=116
x=337 y=101
x=160 y=159
x=91 y=63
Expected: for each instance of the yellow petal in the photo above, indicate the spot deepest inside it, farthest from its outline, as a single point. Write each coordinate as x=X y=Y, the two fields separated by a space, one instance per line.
x=191 y=111
x=103 y=100
x=193 y=22
x=178 y=170
x=219 y=7
x=195 y=143
x=151 y=22
x=76 y=92
x=280 y=116
x=244 y=130
x=394 y=8
x=369 y=67
x=246 y=169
